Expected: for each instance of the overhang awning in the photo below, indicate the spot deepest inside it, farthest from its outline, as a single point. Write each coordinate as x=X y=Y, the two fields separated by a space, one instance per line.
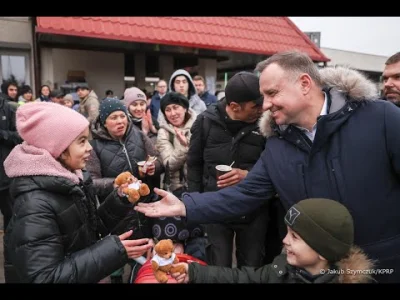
x=256 y=35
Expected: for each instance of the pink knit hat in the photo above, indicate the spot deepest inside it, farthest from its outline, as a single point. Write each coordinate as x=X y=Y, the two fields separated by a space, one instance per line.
x=49 y=126
x=133 y=94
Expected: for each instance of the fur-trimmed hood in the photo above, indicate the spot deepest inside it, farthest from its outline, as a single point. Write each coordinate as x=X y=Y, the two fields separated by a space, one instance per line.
x=341 y=80
x=356 y=267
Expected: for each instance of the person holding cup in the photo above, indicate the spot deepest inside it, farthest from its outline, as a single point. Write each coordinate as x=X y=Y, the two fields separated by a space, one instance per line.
x=118 y=146
x=226 y=143
x=135 y=101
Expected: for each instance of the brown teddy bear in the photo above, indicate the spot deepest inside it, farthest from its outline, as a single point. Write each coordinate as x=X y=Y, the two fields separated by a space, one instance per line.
x=135 y=189
x=162 y=261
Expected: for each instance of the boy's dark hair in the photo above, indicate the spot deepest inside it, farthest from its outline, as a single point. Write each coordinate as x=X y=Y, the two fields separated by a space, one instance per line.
x=6 y=83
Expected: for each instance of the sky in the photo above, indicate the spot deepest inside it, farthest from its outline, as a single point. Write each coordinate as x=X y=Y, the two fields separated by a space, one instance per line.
x=370 y=35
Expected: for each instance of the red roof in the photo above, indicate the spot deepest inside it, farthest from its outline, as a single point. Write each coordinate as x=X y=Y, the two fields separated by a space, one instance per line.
x=258 y=35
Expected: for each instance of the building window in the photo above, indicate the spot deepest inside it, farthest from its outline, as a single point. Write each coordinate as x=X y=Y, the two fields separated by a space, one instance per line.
x=129 y=64
x=16 y=64
x=185 y=62
x=152 y=66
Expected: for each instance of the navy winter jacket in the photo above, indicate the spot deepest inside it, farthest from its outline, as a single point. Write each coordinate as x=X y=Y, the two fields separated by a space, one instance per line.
x=155 y=105
x=354 y=159
x=208 y=98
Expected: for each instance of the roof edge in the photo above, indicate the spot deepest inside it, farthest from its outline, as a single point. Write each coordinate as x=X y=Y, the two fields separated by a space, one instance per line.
x=162 y=42
x=318 y=50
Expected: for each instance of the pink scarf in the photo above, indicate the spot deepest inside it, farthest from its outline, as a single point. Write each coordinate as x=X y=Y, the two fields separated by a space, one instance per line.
x=27 y=160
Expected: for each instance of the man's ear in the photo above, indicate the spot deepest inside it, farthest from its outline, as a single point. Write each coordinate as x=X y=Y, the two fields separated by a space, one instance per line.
x=305 y=82
x=234 y=106
x=322 y=258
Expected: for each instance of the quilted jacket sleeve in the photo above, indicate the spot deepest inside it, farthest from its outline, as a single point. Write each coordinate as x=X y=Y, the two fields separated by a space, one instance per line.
x=216 y=274
x=38 y=252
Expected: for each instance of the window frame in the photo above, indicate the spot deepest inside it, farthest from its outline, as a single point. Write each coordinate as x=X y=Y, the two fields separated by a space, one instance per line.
x=26 y=55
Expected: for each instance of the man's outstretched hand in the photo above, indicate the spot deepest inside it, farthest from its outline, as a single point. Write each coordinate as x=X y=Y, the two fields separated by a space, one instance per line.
x=168 y=206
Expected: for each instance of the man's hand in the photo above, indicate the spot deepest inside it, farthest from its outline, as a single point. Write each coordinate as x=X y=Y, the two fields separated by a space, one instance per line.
x=184 y=277
x=168 y=206
x=135 y=248
x=231 y=178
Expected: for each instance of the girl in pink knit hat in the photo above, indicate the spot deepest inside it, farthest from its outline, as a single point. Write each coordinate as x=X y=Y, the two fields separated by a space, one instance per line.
x=59 y=233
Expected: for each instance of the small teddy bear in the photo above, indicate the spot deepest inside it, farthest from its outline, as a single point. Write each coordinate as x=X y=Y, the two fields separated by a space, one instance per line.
x=162 y=261
x=135 y=189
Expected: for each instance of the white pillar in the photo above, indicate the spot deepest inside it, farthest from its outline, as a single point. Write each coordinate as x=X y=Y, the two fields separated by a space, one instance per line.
x=47 y=67
x=140 y=70
x=208 y=69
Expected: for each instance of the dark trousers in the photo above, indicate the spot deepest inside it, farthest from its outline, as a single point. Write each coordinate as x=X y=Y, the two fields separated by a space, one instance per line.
x=250 y=242
x=5 y=207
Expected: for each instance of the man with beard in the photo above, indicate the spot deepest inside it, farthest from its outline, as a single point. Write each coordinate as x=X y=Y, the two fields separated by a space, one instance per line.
x=391 y=79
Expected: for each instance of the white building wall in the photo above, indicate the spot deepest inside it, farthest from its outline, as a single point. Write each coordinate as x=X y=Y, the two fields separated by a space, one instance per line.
x=356 y=60
x=208 y=69
x=104 y=70
x=15 y=30
x=18 y=30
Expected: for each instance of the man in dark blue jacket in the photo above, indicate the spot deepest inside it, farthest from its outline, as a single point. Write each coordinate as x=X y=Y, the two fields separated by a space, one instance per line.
x=329 y=137
x=200 y=85
x=156 y=99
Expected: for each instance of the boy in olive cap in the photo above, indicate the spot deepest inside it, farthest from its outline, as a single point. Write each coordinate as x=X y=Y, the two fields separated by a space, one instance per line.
x=318 y=248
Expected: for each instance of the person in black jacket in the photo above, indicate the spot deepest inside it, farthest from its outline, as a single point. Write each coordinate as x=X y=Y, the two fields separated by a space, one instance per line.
x=227 y=132
x=59 y=233
x=9 y=138
x=9 y=92
x=329 y=136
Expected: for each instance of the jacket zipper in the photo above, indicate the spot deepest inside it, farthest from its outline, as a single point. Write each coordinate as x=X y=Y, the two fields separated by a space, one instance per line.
x=130 y=167
x=336 y=184
x=127 y=157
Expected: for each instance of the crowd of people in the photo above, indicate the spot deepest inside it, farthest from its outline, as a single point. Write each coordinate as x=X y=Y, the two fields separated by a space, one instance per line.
x=308 y=193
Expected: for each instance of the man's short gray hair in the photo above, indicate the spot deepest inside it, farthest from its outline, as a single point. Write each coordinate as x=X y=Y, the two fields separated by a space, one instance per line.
x=294 y=63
